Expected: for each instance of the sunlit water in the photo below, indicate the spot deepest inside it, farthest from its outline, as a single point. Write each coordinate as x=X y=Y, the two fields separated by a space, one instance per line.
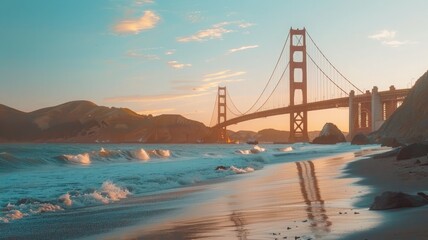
x=175 y=191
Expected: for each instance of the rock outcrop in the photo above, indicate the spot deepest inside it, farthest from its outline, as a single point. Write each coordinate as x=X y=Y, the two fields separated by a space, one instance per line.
x=330 y=134
x=360 y=139
x=391 y=200
x=409 y=123
x=413 y=151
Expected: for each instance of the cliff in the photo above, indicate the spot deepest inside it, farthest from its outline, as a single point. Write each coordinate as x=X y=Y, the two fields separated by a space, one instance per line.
x=409 y=123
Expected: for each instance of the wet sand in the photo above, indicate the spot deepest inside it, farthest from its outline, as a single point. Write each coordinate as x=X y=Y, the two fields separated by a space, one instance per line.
x=301 y=200
x=388 y=174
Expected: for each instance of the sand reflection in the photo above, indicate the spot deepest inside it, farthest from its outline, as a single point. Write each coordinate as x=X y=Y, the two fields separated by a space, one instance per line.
x=311 y=193
x=285 y=201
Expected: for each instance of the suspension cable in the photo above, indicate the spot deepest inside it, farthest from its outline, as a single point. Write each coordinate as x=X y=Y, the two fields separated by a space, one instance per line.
x=233 y=104
x=214 y=111
x=326 y=76
x=331 y=63
x=277 y=84
x=271 y=76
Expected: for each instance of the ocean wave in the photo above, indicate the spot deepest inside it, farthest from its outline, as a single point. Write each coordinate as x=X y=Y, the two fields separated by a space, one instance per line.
x=256 y=149
x=82 y=159
x=286 y=149
x=241 y=170
x=107 y=193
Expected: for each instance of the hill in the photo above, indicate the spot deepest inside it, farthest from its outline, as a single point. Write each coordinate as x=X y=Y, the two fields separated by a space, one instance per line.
x=409 y=123
x=84 y=121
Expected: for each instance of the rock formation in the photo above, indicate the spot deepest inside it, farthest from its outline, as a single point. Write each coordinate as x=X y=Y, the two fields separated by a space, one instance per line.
x=360 y=139
x=409 y=123
x=413 y=151
x=391 y=200
x=330 y=134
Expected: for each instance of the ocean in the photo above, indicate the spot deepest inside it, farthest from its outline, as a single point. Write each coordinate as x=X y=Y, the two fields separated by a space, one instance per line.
x=69 y=191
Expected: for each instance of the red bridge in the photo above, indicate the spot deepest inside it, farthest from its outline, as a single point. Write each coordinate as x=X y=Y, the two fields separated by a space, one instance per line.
x=328 y=89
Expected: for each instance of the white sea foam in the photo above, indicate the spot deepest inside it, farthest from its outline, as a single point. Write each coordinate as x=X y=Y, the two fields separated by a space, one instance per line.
x=83 y=159
x=46 y=207
x=140 y=154
x=287 y=149
x=256 y=149
x=114 y=192
x=15 y=214
x=109 y=192
x=66 y=199
x=164 y=153
x=241 y=170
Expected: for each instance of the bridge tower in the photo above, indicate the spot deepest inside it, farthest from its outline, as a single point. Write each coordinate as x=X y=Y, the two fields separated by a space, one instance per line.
x=221 y=113
x=298 y=84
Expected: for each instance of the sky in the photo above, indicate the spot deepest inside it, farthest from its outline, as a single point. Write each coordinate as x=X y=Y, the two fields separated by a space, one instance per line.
x=168 y=57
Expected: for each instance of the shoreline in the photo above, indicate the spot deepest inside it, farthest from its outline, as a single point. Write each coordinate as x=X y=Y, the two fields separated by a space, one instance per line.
x=382 y=174
x=294 y=199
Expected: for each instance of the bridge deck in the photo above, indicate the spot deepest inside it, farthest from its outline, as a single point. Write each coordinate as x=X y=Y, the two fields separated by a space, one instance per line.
x=313 y=106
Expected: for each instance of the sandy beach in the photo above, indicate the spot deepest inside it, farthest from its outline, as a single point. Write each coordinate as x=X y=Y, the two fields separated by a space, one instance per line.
x=300 y=200
x=388 y=174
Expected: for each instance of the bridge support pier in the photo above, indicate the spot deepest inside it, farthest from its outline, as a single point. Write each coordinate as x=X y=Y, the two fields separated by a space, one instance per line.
x=221 y=114
x=352 y=114
x=298 y=84
x=376 y=110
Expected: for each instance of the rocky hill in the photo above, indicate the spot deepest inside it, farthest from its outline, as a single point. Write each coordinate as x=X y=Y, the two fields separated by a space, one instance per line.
x=84 y=121
x=409 y=123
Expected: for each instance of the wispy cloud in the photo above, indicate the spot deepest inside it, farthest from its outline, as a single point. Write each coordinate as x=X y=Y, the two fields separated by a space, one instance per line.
x=177 y=65
x=170 y=52
x=210 y=33
x=210 y=81
x=245 y=25
x=242 y=48
x=152 y=98
x=221 y=75
x=383 y=35
x=141 y=54
x=388 y=38
x=216 y=31
x=143 y=2
x=194 y=16
x=147 y=21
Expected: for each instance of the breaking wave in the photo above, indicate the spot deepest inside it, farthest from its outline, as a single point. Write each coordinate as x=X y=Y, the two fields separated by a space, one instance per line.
x=256 y=149
x=107 y=193
x=83 y=158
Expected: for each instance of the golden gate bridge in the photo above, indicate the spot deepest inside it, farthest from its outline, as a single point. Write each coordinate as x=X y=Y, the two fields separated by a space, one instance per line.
x=304 y=80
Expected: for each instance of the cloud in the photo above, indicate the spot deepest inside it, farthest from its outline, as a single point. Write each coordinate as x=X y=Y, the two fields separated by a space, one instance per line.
x=143 y=2
x=140 y=54
x=383 y=35
x=242 y=48
x=210 y=81
x=221 y=75
x=387 y=38
x=245 y=25
x=152 y=98
x=177 y=65
x=194 y=17
x=210 y=33
x=170 y=52
x=147 y=21
x=216 y=31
